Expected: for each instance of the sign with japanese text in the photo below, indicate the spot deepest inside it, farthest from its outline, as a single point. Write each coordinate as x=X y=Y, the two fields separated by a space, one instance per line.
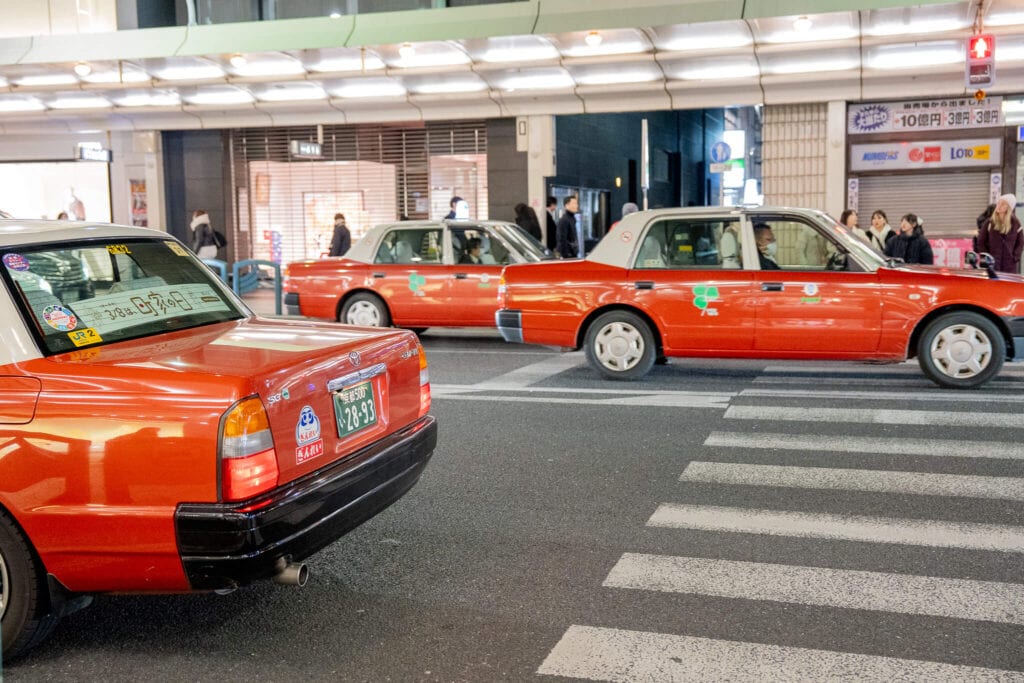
x=954 y=113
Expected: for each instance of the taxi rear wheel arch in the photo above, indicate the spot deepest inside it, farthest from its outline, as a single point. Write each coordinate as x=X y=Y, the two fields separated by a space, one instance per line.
x=620 y=344
x=364 y=308
x=26 y=617
x=961 y=350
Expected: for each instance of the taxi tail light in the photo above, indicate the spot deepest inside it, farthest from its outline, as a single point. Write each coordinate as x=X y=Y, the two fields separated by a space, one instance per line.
x=248 y=458
x=502 y=291
x=424 y=382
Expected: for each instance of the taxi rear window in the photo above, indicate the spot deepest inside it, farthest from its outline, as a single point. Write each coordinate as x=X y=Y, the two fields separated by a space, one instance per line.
x=96 y=293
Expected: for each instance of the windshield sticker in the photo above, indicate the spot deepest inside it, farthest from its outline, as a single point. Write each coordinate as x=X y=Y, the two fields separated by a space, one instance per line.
x=84 y=337
x=60 y=318
x=113 y=312
x=307 y=434
x=415 y=282
x=16 y=262
x=176 y=248
x=703 y=295
x=811 y=294
x=118 y=249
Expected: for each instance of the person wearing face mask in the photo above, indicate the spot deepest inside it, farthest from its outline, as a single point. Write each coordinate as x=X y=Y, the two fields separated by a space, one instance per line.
x=911 y=244
x=767 y=247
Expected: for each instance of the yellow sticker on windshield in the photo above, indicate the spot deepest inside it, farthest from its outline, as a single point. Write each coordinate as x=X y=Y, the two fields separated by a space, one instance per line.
x=118 y=249
x=176 y=248
x=84 y=337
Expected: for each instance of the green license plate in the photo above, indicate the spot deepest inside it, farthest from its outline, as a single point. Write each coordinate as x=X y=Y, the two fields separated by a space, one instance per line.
x=354 y=408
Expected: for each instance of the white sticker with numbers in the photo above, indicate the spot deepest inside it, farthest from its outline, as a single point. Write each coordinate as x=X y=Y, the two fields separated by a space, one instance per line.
x=117 y=311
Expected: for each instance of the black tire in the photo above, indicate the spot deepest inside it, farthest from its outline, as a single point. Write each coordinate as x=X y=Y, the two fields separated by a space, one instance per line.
x=961 y=350
x=620 y=345
x=24 y=613
x=367 y=310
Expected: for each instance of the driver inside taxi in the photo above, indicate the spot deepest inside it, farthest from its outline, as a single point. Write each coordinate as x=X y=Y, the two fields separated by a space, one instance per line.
x=767 y=247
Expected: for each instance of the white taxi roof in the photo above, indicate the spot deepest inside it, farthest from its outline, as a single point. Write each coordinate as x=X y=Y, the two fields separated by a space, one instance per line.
x=365 y=249
x=14 y=232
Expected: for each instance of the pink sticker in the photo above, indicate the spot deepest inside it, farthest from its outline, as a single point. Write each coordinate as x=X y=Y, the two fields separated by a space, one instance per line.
x=627 y=236
x=309 y=451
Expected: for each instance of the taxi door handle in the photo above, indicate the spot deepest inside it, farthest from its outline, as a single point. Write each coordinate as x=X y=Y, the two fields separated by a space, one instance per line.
x=644 y=284
x=461 y=276
x=378 y=274
x=771 y=286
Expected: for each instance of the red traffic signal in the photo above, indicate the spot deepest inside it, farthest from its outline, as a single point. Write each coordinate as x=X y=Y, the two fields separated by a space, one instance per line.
x=981 y=47
x=981 y=61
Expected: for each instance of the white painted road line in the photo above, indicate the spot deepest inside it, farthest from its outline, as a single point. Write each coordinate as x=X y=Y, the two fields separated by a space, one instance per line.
x=848 y=589
x=843 y=443
x=876 y=416
x=998 y=537
x=884 y=481
x=909 y=367
x=932 y=396
x=604 y=654
x=535 y=372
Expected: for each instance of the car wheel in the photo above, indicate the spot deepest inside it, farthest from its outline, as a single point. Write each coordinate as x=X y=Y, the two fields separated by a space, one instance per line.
x=620 y=345
x=24 y=619
x=961 y=350
x=366 y=310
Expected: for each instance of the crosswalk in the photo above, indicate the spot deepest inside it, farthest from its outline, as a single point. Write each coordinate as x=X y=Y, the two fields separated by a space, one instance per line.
x=750 y=454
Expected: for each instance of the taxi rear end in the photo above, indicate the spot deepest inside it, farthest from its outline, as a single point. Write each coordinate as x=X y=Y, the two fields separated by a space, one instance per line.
x=157 y=437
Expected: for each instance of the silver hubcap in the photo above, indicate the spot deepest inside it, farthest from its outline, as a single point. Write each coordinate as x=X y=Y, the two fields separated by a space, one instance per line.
x=961 y=351
x=5 y=587
x=619 y=346
x=363 y=313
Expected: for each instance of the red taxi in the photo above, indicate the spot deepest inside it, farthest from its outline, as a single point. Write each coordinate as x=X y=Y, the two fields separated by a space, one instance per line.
x=155 y=436
x=773 y=283
x=413 y=274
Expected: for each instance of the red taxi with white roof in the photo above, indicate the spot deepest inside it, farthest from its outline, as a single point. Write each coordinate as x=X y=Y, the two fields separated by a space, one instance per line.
x=703 y=282
x=413 y=274
x=156 y=436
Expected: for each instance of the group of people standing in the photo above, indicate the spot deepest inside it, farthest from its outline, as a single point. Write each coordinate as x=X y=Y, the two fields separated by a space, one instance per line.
x=999 y=234
x=563 y=233
x=909 y=243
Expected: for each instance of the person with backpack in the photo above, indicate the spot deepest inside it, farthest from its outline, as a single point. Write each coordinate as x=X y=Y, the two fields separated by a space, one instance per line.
x=205 y=240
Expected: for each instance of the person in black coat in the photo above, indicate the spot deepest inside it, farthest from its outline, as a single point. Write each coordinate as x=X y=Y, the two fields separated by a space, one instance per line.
x=567 y=242
x=526 y=218
x=552 y=224
x=341 y=240
x=911 y=244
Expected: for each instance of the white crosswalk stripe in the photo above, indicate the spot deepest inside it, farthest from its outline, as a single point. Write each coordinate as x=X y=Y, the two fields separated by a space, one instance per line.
x=604 y=654
x=925 y=484
x=999 y=537
x=849 y=443
x=876 y=416
x=905 y=594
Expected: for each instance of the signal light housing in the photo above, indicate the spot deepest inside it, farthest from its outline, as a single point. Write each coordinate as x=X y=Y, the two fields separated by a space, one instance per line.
x=981 y=61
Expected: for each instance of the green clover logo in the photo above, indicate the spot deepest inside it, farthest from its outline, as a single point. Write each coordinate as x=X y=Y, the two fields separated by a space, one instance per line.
x=416 y=281
x=702 y=294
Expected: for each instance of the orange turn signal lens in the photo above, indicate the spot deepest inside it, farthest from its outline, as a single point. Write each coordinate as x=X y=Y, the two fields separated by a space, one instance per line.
x=248 y=458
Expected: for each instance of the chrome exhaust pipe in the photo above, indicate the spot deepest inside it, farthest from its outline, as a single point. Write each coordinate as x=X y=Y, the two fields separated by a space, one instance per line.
x=291 y=573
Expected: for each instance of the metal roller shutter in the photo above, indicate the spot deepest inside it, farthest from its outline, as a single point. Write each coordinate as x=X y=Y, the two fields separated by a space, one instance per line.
x=946 y=203
x=373 y=174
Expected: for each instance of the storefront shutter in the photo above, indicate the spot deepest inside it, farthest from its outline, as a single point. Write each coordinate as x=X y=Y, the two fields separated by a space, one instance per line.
x=946 y=203
x=373 y=174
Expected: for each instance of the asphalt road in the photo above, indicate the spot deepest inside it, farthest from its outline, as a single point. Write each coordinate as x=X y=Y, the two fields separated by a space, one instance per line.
x=719 y=520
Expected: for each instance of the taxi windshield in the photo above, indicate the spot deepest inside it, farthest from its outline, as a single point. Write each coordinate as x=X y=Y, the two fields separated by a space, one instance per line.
x=526 y=244
x=863 y=252
x=96 y=293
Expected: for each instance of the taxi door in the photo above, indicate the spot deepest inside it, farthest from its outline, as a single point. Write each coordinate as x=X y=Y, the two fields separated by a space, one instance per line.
x=806 y=308
x=408 y=274
x=473 y=285
x=687 y=275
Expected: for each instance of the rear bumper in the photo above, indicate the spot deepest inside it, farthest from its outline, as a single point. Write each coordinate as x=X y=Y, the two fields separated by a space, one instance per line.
x=510 y=324
x=223 y=545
